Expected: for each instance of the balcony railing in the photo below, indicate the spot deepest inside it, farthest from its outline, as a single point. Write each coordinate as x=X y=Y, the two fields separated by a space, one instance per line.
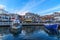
x=5 y=23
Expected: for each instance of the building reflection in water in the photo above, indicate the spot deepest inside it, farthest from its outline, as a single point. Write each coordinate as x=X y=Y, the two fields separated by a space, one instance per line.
x=33 y=34
x=23 y=32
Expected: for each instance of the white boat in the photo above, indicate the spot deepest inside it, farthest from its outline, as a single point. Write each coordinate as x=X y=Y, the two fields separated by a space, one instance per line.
x=16 y=27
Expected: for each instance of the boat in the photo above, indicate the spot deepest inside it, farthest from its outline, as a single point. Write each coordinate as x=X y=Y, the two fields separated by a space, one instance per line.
x=16 y=27
x=51 y=29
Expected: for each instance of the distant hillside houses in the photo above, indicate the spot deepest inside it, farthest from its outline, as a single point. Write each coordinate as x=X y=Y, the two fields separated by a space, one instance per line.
x=29 y=17
x=5 y=15
x=57 y=16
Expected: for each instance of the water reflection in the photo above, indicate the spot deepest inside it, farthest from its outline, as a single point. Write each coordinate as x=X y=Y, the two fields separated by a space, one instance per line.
x=36 y=35
x=40 y=35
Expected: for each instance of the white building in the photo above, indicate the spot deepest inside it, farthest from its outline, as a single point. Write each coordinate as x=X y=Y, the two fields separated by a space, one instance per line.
x=6 y=18
x=57 y=18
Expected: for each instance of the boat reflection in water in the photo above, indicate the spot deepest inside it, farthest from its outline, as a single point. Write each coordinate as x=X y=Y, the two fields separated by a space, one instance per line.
x=52 y=28
x=36 y=35
x=16 y=27
x=30 y=32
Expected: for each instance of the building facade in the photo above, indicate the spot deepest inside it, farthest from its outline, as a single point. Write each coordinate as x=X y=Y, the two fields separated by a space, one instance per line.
x=31 y=17
x=6 y=18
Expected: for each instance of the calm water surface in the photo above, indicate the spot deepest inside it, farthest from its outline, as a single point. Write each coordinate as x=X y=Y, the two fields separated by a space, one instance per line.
x=37 y=35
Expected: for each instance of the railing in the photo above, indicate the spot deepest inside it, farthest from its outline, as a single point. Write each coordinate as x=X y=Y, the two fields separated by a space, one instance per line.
x=5 y=23
x=38 y=23
x=4 y=19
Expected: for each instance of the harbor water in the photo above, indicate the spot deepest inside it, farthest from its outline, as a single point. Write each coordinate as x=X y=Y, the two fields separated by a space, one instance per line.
x=35 y=35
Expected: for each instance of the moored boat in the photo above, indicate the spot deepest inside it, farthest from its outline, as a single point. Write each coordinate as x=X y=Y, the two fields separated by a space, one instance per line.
x=51 y=28
x=16 y=27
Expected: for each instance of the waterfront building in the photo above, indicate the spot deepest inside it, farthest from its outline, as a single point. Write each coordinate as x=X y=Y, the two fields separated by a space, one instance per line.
x=47 y=18
x=57 y=19
x=56 y=16
x=53 y=17
x=31 y=17
x=6 y=19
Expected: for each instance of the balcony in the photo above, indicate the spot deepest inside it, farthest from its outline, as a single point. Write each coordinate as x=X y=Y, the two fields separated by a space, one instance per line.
x=5 y=23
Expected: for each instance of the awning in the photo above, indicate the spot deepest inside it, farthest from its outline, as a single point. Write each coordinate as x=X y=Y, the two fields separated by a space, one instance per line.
x=28 y=20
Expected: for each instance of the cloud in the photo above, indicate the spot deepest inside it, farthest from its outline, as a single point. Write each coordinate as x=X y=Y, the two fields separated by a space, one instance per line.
x=22 y=13
x=47 y=13
x=30 y=5
x=57 y=11
x=50 y=9
x=2 y=6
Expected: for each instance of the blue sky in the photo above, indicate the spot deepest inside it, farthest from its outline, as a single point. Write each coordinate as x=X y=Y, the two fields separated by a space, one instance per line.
x=41 y=7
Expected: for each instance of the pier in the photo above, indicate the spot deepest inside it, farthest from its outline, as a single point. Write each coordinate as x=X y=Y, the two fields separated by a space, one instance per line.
x=32 y=24
x=28 y=27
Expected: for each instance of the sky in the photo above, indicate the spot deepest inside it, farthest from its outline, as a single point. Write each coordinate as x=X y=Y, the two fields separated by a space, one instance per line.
x=40 y=7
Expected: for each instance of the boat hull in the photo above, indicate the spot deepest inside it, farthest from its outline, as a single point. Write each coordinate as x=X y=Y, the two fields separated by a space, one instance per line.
x=51 y=29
